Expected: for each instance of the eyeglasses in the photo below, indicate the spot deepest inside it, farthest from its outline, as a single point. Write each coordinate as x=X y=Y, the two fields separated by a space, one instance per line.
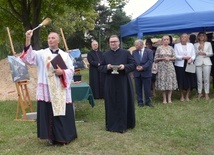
x=113 y=42
x=201 y=35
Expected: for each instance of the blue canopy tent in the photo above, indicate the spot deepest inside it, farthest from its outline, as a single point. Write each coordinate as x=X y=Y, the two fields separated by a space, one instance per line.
x=172 y=16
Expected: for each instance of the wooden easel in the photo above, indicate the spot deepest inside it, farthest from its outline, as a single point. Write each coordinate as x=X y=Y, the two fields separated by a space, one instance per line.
x=77 y=71
x=24 y=100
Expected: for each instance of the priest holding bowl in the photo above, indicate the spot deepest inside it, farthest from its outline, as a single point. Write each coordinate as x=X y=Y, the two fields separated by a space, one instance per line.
x=117 y=63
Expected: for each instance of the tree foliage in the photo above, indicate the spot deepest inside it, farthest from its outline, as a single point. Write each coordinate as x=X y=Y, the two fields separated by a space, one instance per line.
x=107 y=24
x=21 y=15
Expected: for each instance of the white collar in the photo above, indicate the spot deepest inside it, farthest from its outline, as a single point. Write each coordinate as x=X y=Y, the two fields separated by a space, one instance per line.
x=142 y=49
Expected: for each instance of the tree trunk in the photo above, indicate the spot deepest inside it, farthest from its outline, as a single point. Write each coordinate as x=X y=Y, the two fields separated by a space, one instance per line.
x=29 y=15
x=36 y=9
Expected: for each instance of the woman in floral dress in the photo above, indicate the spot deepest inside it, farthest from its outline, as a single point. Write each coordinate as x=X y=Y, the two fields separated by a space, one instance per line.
x=166 y=77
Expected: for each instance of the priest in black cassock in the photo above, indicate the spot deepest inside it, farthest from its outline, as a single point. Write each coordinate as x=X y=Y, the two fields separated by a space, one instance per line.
x=118 y=93
x=96 y=78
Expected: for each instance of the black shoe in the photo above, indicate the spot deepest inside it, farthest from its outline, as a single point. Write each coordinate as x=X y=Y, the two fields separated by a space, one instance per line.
x=150 y=105
x=140 y=104
x=122 y=131
x=51 y=142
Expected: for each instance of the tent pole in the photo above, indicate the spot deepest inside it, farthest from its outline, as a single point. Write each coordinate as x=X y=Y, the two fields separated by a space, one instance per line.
x=121 y=42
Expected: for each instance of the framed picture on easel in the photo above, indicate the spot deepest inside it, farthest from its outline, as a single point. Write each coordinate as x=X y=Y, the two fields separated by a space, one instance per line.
x=19 y=70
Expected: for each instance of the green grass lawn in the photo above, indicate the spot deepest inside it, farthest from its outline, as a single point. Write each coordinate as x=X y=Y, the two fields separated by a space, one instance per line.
x=179 y=128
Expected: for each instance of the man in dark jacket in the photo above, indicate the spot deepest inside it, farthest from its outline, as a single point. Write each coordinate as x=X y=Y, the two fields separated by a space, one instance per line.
x=143 y=74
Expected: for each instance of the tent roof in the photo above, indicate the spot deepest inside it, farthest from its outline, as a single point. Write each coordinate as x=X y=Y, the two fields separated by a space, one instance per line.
x=172 y=16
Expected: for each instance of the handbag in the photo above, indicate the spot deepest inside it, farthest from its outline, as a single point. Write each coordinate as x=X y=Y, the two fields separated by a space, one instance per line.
x=154 y=68
x=190 y=68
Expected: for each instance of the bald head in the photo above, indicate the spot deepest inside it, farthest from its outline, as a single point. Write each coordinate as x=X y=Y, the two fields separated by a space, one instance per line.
x=53 y=40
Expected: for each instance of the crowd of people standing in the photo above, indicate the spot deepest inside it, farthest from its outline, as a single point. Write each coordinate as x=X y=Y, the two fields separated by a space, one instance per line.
x=109 y=78
x=186 y=53
x=173 y=60
x=171 y=74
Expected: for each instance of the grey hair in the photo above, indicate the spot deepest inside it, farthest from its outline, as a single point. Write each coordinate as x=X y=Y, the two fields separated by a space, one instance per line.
x=139 y=41
x=94 y=41
x=184 y=34
x=56 y=34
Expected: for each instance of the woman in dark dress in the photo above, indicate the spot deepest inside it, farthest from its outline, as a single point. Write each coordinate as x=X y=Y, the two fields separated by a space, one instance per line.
x=149 y=46
x=185 y=53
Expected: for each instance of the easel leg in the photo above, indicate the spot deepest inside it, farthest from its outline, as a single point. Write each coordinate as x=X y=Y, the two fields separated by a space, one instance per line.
x=23 y=100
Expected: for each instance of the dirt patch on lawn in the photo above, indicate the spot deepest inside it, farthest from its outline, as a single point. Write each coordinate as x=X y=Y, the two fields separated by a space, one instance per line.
x=8 y=89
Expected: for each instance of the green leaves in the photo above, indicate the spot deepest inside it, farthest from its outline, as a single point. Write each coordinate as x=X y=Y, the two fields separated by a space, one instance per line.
x=70 y=15
x=19 y=16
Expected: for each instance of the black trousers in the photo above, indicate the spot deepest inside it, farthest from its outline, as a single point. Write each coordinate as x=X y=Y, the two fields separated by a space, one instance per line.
x=143 y=86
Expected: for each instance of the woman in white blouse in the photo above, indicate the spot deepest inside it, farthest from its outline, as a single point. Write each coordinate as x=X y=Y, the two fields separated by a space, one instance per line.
x=185 y=54
x=203 y=63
